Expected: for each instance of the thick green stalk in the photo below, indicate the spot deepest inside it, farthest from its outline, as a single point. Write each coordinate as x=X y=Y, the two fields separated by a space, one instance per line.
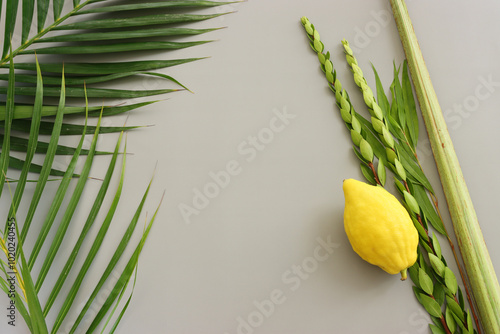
x=484 y=282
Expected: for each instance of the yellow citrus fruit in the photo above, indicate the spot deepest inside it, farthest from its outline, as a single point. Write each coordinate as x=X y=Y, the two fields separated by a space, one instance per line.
x=379 y=228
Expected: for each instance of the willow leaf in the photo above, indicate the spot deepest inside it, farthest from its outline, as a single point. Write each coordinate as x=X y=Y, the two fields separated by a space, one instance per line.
x=115 y=35
x=86 y=228
x=368 y=174
x=430 y=305
x=154 y=5
x=28 y=9
x=425 y=204
x=92 y=92
x=398 y=99
x=382 y=100
x=109 y=269
x=136 y=21
x=112 y=48
x=410 y=107
x=102 y=68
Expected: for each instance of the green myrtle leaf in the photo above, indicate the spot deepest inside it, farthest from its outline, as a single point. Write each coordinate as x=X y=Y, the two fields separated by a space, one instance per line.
x=437 y=264
x=409 y=163
x=436 y=330
x=439 y=293
x=369 y=136
x=436 y=245
x=356 y=126
x=356 y=137
x=377 y=111
x=346 y=116
x=411 y=202
x=399 y=185
x=455 y=308
x=413 y=272
x=398 y=94
x=368 y=174
x=450 y=280
x=377 y=124
x=450 y=321
x=391 y=155
x=366 y=150
x=430 y=305
x=425 y=282
x=381 y=172
x=400 y=170
x=387 y=137
x=358 y=154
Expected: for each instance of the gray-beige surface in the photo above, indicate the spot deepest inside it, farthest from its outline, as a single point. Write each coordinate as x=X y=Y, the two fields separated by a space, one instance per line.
x=250 y=238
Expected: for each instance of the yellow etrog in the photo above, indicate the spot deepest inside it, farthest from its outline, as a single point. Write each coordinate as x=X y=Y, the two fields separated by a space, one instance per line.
x=379 y=228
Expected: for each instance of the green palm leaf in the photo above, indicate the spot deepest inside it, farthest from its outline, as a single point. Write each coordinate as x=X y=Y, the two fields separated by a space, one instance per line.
x=29 y=89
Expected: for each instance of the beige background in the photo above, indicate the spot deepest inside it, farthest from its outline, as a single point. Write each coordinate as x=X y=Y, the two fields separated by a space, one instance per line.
x=234 y=266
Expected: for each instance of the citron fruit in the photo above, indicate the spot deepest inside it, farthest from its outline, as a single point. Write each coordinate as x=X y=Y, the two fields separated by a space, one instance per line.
x=379 y=228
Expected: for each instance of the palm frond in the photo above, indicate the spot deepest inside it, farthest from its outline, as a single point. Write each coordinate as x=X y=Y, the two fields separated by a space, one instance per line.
x=74 y=30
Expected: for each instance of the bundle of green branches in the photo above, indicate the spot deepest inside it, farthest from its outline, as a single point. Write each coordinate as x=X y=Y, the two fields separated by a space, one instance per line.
x=35 y=104
x=389 y=140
